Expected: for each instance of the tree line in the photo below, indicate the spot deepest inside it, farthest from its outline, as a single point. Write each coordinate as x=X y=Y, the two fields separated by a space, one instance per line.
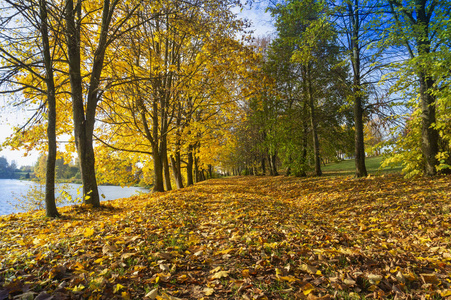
x=139 y=87
x=350 y=77
x=165 y=91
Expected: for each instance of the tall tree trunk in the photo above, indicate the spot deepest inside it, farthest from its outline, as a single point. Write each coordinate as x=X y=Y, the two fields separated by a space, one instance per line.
x=189 y=167
x=354 y=13
x=313 y=123
x=210 y=171
x=302 y=172
x=263 y=166
x=164 y=158
x=158 y=170
x=84 y=124
x=196 y=169
x=84 y=151
x=176 y=170
x=50 y=205
x=273 y=165
x=360 y=167
x=429 y=135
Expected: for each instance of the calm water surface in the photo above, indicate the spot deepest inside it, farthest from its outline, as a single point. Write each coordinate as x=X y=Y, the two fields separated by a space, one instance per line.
x=11 y=190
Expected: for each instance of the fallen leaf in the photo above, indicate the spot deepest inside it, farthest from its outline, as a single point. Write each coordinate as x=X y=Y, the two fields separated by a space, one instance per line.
x=430 y=278
x=88 y=232
x=220 y=274
x=208 y=291
x=152 y=294
x=308 y=269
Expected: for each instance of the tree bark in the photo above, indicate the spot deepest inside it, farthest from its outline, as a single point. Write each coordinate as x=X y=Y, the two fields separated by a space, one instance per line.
x=85 y=154
x=272 y=164
x=196 y=169
x=360 y=168
x=164 y=157
x=158 y=170
x=176 y=170
x=189 y=167
x=50 y=203
x=313 y=123
x=84 y=124
x=429 y=135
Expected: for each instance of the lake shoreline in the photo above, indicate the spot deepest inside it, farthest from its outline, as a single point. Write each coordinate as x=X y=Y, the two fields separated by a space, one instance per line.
x=15 y=192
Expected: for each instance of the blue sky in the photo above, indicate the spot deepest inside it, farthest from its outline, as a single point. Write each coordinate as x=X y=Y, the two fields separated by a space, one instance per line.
x=261 y=20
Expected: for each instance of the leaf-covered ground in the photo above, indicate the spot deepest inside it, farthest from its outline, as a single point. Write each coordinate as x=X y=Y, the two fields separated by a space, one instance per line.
x=240 y=238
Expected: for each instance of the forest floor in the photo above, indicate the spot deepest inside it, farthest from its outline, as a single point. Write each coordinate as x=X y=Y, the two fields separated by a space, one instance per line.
x=240 y=238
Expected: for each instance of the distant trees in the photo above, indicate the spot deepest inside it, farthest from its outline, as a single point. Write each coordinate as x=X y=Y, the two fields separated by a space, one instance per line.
x=295 y=116
x=7 y=170
x=342 y=70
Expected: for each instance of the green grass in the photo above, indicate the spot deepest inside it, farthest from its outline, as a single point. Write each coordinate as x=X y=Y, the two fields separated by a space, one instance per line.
x=347 y=167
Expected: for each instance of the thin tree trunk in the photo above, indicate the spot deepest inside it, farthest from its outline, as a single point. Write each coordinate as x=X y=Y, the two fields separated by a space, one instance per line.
x=196 y=169
x=158 y=171
x=316 y=150
x=176 y=171
x=210 y=171
x=50 y=205
x=189 y=167
x=273 y=165
x=164 y=158
x=302 y=172
x=360 y=168
x=271 y=169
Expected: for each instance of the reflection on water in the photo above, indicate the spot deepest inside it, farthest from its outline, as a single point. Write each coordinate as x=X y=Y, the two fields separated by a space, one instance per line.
x=12 y=190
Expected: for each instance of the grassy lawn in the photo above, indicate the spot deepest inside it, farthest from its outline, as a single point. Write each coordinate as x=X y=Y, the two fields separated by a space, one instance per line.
x=347 y=167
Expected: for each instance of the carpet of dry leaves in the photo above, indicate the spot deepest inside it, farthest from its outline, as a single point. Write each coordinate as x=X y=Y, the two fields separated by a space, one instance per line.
x=240 y=238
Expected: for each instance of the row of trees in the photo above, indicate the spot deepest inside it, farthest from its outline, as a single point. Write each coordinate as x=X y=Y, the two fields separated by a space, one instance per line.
x=147 y=83
x=165 y=90
x=340 y=74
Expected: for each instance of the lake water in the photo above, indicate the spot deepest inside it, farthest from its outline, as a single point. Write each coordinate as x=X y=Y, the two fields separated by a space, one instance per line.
x=12 y=191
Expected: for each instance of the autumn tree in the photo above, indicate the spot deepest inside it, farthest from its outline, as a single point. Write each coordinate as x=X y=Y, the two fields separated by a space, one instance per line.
x=310 y=79
x=103 y=22
x=172 y=85
x=27 y=55
x=422 y=28
x=356 y=21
